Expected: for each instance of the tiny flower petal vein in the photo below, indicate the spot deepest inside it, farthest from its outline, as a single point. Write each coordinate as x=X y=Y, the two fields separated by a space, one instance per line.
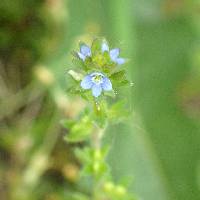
x=97 y=82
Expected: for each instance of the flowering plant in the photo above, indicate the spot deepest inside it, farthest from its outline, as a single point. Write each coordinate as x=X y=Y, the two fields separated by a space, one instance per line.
x=98 y=73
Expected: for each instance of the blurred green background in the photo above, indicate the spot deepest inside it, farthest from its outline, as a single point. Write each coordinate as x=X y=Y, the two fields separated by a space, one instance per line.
x=158 y=149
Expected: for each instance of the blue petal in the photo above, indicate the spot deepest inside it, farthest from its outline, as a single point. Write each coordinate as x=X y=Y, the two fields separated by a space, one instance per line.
x=106 y=85
x=120 y=61
x=114 y=53
x=86 y=83
x=81 y=56
x=85 y=50
x=104 y=47
x=96 y=90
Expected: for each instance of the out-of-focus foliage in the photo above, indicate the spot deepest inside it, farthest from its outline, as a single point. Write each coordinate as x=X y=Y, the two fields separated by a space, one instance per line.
x=160 y=145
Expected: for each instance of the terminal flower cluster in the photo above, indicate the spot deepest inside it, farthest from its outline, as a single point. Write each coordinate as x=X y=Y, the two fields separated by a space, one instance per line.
x=97 y=81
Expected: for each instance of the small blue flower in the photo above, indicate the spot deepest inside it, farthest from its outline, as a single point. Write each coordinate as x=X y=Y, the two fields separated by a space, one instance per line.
x=114 y=54
x=85 y=51
x=96 y=82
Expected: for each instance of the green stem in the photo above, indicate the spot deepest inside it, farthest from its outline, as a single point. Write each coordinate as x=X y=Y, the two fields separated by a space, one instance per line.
x=97 y=137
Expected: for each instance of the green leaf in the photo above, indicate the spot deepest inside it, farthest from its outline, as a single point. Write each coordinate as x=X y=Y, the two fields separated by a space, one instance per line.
x=118 y=75
x=93 y=161
x=100 y=113
x=75 y=89
x=99 y=60
x=79 y=130
x=83 y=154
x=78 y=63
x=119 y=78
x=118 y=112
x=96 y=46
x=116 y=191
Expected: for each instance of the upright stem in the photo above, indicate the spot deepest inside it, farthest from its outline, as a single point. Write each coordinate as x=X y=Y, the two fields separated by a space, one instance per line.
x=96 y=143
x=98 y=132
x=96 y=137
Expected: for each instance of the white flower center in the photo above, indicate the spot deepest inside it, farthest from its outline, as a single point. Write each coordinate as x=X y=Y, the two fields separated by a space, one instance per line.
x=97 y=79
